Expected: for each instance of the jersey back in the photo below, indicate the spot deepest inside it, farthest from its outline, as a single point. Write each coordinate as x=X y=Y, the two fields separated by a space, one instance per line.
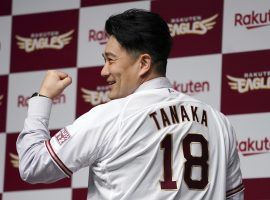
x=167 y=145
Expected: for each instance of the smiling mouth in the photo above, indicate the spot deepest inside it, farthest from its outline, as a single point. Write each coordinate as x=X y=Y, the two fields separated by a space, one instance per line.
x=111 y=82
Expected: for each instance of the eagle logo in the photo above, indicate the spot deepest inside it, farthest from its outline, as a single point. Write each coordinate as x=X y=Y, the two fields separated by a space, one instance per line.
x=198 y=27
x=236 y=83
x=209 y=22
x=53 y=42
x=95 y=97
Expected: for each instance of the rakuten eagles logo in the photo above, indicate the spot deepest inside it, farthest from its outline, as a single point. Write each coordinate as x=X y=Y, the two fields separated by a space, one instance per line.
x=191 y=25
x=47 y=40
x=250 y=81
x=251 y=147
x=96 y=97
x=252 y=20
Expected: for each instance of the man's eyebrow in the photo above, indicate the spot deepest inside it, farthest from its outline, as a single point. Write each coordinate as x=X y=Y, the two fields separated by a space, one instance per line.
x=107 y=54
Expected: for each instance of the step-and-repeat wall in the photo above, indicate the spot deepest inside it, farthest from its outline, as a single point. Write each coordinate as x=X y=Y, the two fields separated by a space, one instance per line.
x=221 y=55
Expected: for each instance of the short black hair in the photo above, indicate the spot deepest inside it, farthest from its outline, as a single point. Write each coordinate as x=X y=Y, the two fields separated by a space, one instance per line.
x=141 y=31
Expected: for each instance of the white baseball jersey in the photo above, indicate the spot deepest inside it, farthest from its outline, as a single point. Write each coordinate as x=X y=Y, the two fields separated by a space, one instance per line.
x=155 y=144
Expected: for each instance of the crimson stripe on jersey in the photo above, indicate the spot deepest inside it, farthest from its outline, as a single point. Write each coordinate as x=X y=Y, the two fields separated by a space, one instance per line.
x=231 y=192
x=67 y=171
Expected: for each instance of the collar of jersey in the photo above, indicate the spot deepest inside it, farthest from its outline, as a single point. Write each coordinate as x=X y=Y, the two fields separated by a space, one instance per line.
x=156 y=83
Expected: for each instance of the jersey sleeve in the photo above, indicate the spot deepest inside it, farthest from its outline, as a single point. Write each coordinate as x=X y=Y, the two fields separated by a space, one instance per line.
x=35 y=164
x=234 y=183
x=45 y=159
x=81 y=143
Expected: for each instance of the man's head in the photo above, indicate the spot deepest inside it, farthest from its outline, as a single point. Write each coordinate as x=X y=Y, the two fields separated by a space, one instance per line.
x=137 y=50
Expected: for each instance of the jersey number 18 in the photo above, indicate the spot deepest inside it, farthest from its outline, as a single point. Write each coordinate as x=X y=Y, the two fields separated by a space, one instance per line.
x=191 y=161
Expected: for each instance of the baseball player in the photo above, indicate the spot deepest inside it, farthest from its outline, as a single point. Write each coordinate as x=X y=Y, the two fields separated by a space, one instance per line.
x=149 y=142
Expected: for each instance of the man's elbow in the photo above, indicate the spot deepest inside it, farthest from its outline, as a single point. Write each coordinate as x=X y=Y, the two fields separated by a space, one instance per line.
x=27 y=176
x=35 y=173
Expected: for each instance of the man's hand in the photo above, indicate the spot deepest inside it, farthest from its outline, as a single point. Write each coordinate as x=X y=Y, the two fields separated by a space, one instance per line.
x=54 y=83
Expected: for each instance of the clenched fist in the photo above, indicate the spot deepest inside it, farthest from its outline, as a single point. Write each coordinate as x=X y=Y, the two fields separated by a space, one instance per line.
x=54 y=83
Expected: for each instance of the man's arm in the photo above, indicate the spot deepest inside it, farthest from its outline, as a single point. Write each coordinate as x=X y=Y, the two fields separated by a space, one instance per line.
x=234 y=183
x=35 y=163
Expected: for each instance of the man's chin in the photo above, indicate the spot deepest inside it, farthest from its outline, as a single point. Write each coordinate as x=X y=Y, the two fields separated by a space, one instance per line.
x=112 y=96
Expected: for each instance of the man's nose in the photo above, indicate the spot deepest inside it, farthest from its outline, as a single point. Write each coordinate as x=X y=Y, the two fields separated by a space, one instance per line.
x=105 y=71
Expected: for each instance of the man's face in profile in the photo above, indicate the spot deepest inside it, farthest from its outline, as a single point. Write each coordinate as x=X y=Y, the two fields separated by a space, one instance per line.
x=121 y=70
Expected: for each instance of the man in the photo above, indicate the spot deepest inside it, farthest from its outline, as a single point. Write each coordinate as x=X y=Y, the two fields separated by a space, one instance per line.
x=150 y=142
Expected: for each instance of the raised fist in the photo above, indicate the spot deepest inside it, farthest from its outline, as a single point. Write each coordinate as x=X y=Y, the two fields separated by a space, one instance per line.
x=54 y=83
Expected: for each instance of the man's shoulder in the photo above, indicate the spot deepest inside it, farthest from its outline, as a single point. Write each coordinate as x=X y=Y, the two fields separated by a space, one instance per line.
x=186 y=99
x=111 y=105
x=109 y=110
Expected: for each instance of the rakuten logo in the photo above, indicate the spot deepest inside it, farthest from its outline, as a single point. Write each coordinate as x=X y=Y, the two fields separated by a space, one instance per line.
x=98 y=36
x=191 y=87
x=251 y=147
x=101 y=95
x=252 y=20
x=22 y=101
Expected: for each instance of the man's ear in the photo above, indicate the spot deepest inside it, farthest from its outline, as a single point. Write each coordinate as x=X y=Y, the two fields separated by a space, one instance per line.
x=145 y=64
